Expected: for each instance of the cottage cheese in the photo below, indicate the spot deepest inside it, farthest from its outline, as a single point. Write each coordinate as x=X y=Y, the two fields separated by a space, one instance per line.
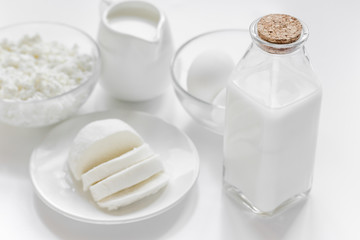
x=32 y=69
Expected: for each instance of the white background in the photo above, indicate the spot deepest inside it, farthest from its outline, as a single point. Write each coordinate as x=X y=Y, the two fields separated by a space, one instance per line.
x=331 y=212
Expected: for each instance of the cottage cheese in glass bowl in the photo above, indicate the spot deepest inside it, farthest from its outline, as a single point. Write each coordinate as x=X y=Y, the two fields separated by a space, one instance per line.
x=47 y=71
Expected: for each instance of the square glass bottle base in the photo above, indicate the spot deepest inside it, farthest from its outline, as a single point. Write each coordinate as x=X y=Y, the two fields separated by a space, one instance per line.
x=239 y=197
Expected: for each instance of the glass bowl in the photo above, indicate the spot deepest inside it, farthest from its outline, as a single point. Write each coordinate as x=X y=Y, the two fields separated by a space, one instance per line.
x=38 y=113
x=234 y=43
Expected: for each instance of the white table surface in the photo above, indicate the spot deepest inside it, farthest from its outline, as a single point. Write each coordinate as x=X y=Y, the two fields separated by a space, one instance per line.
x=333 y=208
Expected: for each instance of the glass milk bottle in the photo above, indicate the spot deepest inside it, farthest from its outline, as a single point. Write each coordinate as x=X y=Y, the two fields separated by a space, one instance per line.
x=272 y=113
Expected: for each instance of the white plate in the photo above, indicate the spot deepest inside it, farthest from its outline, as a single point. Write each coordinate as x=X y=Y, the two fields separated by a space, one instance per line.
x=56 y=187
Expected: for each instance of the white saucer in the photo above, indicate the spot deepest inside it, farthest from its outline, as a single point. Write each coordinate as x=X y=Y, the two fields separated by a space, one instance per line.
x=56 y=187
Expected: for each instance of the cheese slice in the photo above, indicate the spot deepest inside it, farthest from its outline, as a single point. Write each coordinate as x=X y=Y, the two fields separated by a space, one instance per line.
x=100 y=141
x=141 y=190
x=126 y=178
x=115 y=165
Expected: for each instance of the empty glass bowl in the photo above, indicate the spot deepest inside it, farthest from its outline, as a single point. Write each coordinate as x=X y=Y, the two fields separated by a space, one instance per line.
x=37 y=113
x=234 y=43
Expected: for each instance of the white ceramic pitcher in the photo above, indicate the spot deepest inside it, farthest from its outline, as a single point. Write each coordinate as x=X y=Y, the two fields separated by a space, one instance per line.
x=136 y=48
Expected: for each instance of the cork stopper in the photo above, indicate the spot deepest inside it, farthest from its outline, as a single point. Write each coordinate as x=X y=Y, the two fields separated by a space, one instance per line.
x=279 y=28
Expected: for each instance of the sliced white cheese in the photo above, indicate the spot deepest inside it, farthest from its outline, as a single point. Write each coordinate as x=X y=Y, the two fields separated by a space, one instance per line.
x=99 y=142
x=141 y=190
x=115 y=165
x=126 y=178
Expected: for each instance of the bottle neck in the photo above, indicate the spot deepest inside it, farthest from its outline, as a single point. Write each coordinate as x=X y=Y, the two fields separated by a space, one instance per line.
x=274 y=48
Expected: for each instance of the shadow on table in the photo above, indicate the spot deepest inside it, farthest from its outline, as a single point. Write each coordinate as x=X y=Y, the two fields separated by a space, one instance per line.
x=209 y=146
x=102 y=101
x=237 y=220
x=159 y=227
x=16 y=146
